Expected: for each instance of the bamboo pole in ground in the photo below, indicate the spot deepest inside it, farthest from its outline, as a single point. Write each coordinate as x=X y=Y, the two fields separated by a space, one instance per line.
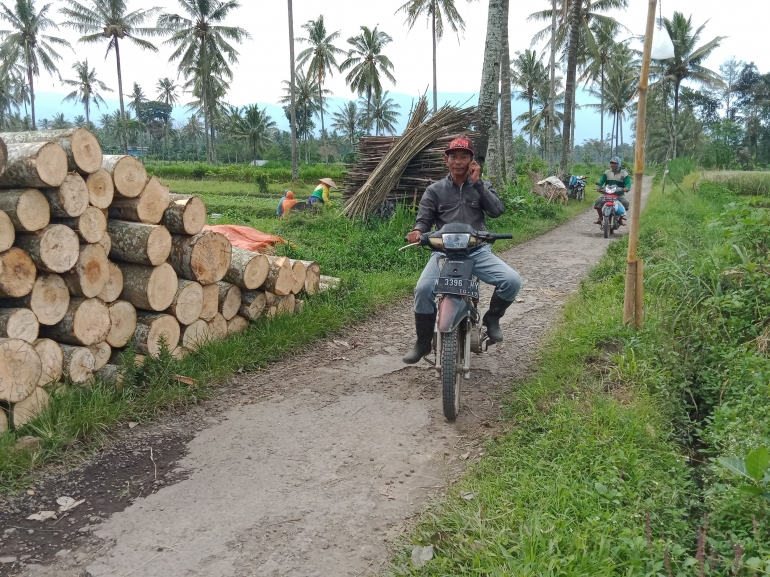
x=630 y=305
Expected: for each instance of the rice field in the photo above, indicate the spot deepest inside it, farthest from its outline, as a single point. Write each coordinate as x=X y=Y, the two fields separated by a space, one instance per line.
x=742 y=182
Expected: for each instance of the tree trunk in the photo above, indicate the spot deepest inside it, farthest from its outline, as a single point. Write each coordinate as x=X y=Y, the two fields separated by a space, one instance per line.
x=91 y=225
x=155 y=330
x=120 y=95
x=280 y=279
x=321 y=106
x=114 y=286
x=56 y=248
x=17 y=273
x=493 y=157
x=7 y=232
x=676 y=118
x=229 y=300
x=51 y=361
x=128 y=175
x=101 y=189
x=195 y=335
x=91 y=272
x=506 y=119
x=27 y=208
x=84 y=153
x=569 y=94
x=433 y=36
x=70 y=199
x=552 y=93
x=148 y=208
x=101 y=353
x=31 y=93
x=247 y=269
x=19 y=324
x=490 y=79
x=147 y=287
x=204 y=257
x=601 y=111
x=122 y=323
x=138 y=243
x=86 y=322
x=48 y=299
x=252 y=304
x=210 y=301
x=34 y=165
x=237 y=324
x=294 y=151
x=20 y=370
x=185 y=214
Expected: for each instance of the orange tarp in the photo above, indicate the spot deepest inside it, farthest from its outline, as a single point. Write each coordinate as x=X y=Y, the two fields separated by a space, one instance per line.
x=245 y=237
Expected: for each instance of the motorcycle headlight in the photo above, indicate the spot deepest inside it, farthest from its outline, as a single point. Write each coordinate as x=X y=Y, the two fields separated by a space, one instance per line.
x=456 y=240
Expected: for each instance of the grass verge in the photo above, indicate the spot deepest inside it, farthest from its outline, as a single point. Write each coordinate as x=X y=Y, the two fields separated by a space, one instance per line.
x=364 y=254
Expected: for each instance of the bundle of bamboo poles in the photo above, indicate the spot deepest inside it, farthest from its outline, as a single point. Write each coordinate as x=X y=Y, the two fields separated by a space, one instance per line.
x=400 y=168
x=95 y=255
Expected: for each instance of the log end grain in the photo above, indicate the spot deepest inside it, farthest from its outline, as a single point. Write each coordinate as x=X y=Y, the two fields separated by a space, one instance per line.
x=196 y=335
x=20 y=324
x=156 y=329
x=49 y=299
x=101 y=352
x=185 y=214
x=162 y=287
x=50 y=359
x=122 y=323
x=210 y=302
x=92 y=225
x=188 y=303
x=32 y=211
x=18 y=273
x=229 y=299
x=7 y=232
x=59 y=248
x=91 y=272
x=252 y=304
x=158 y=245
x=204 y=257
x=91 y=320
x=300 y=276
x=218 y=327
x=78 y=364
x=86 y=151
x=51 y=164
x=128 y=174
x=106 y=242
x=101 y=190
x=194 y=216
x=114 y=286
x=153 y=201
x=280 y=280
x=237 y=324
x=20 y=370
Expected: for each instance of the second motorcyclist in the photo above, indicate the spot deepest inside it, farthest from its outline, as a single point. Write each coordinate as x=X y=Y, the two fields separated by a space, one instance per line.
x=618 y=176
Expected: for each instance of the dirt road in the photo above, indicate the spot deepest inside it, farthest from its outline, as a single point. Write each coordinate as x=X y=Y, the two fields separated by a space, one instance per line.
x=310 y=468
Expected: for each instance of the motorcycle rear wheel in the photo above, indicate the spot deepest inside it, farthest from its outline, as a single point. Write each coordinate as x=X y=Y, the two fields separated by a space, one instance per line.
x=450 y=376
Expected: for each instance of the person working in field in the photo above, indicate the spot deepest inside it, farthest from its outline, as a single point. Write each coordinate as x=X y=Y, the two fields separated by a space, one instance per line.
x=618 y=176
x=321 y=192
x=287 y=204
x=279 y=210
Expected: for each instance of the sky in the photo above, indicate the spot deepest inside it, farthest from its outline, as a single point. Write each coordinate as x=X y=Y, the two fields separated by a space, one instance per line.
x=264 y=59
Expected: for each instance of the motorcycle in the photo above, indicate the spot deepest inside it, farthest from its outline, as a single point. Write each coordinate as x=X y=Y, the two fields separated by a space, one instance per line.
x=576 y=187
x=458 y=330
x=612 y=210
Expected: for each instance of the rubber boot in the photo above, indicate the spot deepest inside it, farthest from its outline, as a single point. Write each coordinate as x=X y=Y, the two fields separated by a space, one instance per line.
x=425 y=325
x=491 y=320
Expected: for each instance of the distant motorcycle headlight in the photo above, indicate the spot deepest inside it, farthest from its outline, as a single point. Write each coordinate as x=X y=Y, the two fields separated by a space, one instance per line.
x=456 y=240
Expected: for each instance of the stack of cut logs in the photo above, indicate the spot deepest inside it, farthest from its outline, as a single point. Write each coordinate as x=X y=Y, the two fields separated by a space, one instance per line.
x=94 y=255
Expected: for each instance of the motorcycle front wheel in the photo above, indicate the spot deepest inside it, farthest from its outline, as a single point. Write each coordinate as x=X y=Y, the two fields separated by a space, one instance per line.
x=450 y=376
x=607 y=226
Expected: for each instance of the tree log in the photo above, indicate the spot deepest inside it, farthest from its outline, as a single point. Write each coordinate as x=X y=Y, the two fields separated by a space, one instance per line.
x=101 y=352
x=218 y=327
x=91 y=225
x=49 y=299
x=270 y=299
x=237 y=324
x=91 y=272
x=147 y=207
x=247 y=269
x=313 y=276
x=122 y=323
x=280 y=279
x=20 y=370
x=229 y=299
x=110 y=375
x=34 y=165
x=139 y=243
x=7 y=232
x=17 y=274
x=327 y=283
x=252 y=304
x=271 y=311
x=116 y=358
x=106 y=243
x=204 y=257
x=70 y=199
x=26 y=410
x=78 y=364
x=101 y=189
x=51 y=361
x=185 y=214
x=113 y=288
x=19 y=324
x=3 y=417
x=27 y=208
x=299 y=306
x=147 y=287
x=56 y=248
x=179 y=353
x=196 y=335
x=285 y=304
x=128 y=175
x=300 y=276
x=86 y=322
x=210 y=302
x=151 y=328
x=83 y=150
x=188 y=302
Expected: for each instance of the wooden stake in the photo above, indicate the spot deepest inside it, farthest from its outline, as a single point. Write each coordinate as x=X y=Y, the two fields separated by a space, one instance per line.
x=639 y=311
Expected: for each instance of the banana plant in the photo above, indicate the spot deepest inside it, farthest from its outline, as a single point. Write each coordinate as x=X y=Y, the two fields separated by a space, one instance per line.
x=754 y=468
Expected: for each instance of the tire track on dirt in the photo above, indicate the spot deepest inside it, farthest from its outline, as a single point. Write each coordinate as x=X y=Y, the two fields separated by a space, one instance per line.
x=312 y=467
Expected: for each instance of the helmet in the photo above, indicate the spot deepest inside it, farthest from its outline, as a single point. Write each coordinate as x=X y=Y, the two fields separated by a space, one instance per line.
x=616 y=159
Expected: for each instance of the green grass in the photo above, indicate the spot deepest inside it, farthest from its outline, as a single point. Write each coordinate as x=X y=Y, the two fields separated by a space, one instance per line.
x=744 y=183
x=275 y=172
x=609 y=466
x=363 y=253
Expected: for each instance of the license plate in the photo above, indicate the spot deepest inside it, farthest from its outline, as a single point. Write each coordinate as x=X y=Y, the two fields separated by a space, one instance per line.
x=458 y=286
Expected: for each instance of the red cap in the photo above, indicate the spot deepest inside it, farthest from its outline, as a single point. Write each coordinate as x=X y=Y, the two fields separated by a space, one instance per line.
x=461 y=143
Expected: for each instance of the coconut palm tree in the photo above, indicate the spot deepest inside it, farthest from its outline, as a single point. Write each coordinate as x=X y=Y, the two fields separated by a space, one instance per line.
x=167 y=91
x=436 y=11
x=26 y=44
x=256 y=127
x=306 y=103
x=9 y=101
x=366 y=62
x=136 y=98
x=687 y=63
x=383 y=115
x=193 y=130
x=111 y=20
x=322 y=56
x=204 y=51
x=348 y=121
x=542 y=119
x=59 y=122
x=86 y=88
x=528 y=73
x=292 y=103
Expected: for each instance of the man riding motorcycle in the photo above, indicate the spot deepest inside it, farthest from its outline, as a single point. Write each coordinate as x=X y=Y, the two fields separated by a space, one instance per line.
x=619 y=177
x=461 y=197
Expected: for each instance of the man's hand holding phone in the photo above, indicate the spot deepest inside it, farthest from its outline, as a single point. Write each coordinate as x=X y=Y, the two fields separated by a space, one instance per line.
x=475 y=171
